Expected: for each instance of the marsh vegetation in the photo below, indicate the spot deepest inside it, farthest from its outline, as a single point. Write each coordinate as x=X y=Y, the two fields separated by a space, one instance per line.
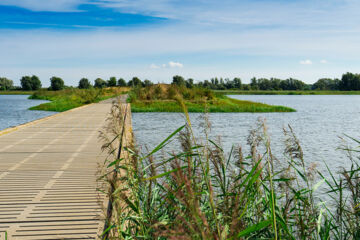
x=202 y=192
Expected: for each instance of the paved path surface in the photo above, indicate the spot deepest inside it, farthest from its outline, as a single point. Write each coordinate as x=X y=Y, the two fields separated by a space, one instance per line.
x=48 y=177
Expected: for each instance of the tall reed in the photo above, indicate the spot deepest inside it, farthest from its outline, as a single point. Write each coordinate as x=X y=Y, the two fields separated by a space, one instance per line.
x=201 y=192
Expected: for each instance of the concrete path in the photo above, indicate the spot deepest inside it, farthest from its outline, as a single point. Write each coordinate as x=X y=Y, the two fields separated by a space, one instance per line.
x=48 y=177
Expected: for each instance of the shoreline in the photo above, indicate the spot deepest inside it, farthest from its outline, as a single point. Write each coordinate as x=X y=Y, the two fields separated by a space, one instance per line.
x=16 y=92
x=286 y=92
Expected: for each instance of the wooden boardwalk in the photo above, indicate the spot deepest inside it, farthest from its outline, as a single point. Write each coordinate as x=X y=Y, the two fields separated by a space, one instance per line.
x=48 y=177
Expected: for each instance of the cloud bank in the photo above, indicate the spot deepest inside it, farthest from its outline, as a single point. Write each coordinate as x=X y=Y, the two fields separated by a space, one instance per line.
x=235 y=38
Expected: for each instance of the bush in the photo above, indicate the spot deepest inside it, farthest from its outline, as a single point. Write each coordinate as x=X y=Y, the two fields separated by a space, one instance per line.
x=112 y=82
x=56 y=84
x=135 y=82
x=30 y=83
x=5 y=84
x=158 y=92
x=84 y=83
x=100 y=83
x=121 y=82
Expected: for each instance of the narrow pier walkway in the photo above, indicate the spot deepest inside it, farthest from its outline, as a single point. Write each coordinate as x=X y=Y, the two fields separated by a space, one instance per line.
x=48 y=177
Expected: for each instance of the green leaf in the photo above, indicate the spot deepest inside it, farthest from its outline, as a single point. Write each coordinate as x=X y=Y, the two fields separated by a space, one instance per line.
x=164 y=174
x=254 y=228
x=299 y=172
x=108 y=229
x=165 y=142
x=317 y=185
x=355 y=140
x=131 y=205
x=114 y=162
x=216 y=145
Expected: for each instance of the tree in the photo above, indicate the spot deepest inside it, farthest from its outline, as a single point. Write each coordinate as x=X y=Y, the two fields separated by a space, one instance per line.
x=84 y=83
x=178 y=80
x=229 y=84
x=112 y=82
x=147 y=83
x=264 y=84
x=189 y=83
x=5 y=84
x=254 y=84
x=26 y=83
x=292 y=84
x=100 y=83
x=121 y=82
x=206 y=84
x=350 y=81
x=35 y=82
x=326 y=84
x=237 y=83
x=275 y=83
x=30 y=83
x=135 y=82
x=56 y=84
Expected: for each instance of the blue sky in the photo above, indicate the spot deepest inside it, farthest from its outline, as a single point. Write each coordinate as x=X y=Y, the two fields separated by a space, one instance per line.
x=156 y=39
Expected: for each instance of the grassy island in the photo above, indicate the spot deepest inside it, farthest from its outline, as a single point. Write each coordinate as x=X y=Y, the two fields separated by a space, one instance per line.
x=67 y=99
x=167 y=98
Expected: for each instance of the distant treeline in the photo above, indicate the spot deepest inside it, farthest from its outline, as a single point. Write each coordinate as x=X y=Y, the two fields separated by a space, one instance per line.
x=348 y=82
x=32 y=83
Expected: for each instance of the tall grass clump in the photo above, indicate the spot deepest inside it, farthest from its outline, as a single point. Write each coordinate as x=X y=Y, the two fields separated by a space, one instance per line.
x=202 y=192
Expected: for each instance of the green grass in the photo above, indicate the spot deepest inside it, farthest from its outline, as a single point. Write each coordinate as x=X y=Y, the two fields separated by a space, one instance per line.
x=71 y=98
x=270 y=92
x=16 y=92
x=218 y=105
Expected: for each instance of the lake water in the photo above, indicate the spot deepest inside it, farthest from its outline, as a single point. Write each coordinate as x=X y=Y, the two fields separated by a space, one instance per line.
x=14 y=110
x=318 y=124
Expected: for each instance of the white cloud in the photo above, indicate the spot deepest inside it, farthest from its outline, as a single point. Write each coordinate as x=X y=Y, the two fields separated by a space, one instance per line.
x=324 y=61
x=305 y=14
x=171 y=64
x=175 y=64
x=154 y=66
x=306 y=62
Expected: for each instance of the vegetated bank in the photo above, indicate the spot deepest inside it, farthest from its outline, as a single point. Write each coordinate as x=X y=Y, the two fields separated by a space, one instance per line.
x=286 y=92
x=168 y=98
x=16 y=92
x=70 y=98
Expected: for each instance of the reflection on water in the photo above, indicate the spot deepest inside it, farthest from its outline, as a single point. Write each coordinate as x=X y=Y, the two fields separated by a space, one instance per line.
x=318 y=123
x=14 y=110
